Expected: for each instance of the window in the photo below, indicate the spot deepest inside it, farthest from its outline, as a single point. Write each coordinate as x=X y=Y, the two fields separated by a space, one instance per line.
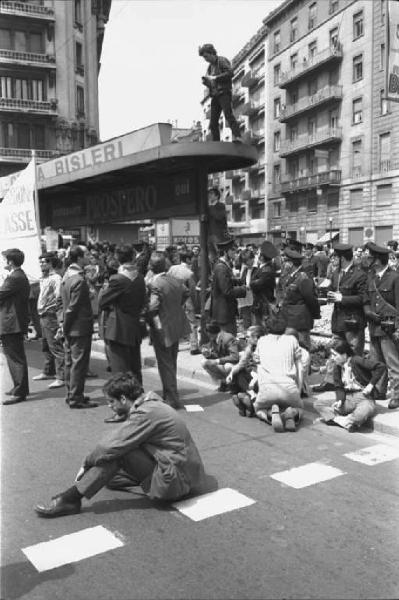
x=293 y=133
x=333 y=6
x=294 y=60
x=36 y=44
x=276 y=40
x=78 y=11
x=383 y=103
x=294 y=29
x=382 y=10
x=38 y=137
x=277 y=141
x=80 y=101
x=382 y=57
x=385 y=152
x=5 y=39
x=277 y=108
x=357 y=111
x=312 y=204
x=356 y=236
x=312 y=50
x=294 y=95
x=312 y=15
x=383 y=235
x=357 y=158
x=332 y=200
x=277 y=209
x=79 y=55
x=384 y=195
x=356 y=198
x=293 y=205
x=358 y=68
x=358 y=25
x=312 y=87
x=22 y=89
x=258 y=211
x=334 y=37
x=22 y=135
x=311 y=127
x=21 y=40
x=276 y=74
x=276 y=174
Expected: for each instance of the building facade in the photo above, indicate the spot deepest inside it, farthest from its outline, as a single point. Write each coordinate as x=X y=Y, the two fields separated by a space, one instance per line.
x=49 y=62
x=333 y=139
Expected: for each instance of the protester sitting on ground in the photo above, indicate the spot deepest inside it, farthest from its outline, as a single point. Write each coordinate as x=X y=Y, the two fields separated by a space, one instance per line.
x=153 y=449
x=220 y=353
x=279 y=380
x=355 y=380
x=243 y=378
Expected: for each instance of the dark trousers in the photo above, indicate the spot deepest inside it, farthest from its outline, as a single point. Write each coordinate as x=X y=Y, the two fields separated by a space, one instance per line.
x=230 y=327
x=219 y=104
x=53 y=350
x=77 y=357
x=125 y=358
x=167 y=366
x=14 y=350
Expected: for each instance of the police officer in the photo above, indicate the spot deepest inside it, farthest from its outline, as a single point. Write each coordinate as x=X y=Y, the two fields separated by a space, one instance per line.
x=264 y=282
x=382 y=311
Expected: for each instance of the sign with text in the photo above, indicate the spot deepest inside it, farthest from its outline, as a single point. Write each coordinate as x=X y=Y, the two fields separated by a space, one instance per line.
x=18 y=227
x=6 y=182
x=186 y=231
x=392 y=46
x=162 y=234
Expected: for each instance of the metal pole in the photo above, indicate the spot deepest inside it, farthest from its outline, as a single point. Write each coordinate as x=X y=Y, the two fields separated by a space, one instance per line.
x=330 y=233
x=36 y=198
x=202 y=187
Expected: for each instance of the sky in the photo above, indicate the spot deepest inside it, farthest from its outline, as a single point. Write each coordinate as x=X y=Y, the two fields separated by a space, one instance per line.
x=150 y=68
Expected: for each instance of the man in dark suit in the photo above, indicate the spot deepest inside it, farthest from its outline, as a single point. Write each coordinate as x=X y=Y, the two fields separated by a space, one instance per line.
x=76 y=321
x=220 y=354
x=123 y=300
x=14 y=320
x=225 y=289
x=263 y=283
x=168 y=324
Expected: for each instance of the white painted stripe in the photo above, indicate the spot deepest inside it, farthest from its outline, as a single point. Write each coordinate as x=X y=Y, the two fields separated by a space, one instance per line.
x=300 y=477
x=72 y=548
x=374 y=455
x=193 y=408
x=98 y=355
x=214 y=503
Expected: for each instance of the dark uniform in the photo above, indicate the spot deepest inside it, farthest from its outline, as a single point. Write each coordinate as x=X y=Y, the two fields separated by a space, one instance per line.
x=263 y=283
x=224 y=293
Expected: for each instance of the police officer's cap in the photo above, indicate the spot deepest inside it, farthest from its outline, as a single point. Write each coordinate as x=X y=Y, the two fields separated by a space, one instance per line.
x=138 y=246
x=340 y=248
x=294 y=245
x=268 y=250
x=379 y=250
x=309 y=246
x=226 y=244
x=293 y=254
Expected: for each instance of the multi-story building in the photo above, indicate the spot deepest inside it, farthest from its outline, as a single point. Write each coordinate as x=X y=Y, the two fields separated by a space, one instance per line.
x=332 y=138
x=49 y=63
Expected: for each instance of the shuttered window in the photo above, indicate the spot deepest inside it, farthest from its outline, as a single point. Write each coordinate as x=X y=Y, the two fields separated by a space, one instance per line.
x=356 y=198
x=384 y=194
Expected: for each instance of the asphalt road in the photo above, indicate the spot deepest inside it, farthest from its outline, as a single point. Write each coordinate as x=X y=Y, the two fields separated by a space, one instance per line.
x=332 y=539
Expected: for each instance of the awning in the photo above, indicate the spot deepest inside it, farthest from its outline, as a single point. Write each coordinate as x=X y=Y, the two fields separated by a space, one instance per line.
x=327 y=236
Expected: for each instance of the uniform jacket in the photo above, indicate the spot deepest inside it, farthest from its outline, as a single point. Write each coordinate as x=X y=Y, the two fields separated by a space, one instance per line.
x=223 y=72
x=122 y=301
x=224 y=347
x=352 y=285
x=167 y=296
x=263 y=285
x=224 y=292
x=159 y=430
x=388 y=286
x=14 y=303
x=300 y=305
x=77 y=314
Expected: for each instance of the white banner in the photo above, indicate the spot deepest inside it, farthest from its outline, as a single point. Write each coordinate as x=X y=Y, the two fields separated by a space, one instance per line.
x=18 y=227
x=392 y=44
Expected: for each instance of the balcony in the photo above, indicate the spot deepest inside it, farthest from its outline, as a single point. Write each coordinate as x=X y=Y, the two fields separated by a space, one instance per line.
x=251 y=108
x=22 y=155
x=236 y=174
x=308 y=181
x=29 y=106
x=388 y=165
x=252 y=77
x=29 y=59
x=324 y=135
x=308 y=65
x=23 y=9
x=257 y=193
x=330 y=93
x=237 y=96
x=357 y=172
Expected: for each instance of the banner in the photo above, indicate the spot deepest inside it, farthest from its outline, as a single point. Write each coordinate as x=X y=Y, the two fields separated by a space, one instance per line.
x=392 y=45
x=18 y=226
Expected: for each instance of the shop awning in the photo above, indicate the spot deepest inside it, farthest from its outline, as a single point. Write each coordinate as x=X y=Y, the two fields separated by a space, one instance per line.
x=327 y=236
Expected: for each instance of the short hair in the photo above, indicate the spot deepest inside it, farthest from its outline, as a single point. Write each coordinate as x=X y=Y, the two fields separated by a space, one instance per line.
x=123 y=384
x=185 y=255
x=158 y=263
x=215 y=191
x=342 y=347
x=347 y=255
x=125 y=253
x=112 y=266
x=209 y=48
x=247 y=255
x=75 y=253
x=14 y=255
x=50 y=258
x=384 y=258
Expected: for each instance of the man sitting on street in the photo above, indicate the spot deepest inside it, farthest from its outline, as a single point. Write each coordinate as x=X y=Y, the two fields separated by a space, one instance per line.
x=152 y=449
x=220 y=354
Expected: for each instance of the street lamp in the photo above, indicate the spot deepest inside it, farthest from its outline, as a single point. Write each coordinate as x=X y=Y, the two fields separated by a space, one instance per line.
x=331 y=221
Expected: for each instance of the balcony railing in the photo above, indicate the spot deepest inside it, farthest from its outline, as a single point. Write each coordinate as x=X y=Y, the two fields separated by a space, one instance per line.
x=357 y=172
x=14 y=56
x=7 y=7
x=237 y=96
x=252 y=77
x=24 y=155
x=308 y=180
x=310 y=64
x=318 y=138
x=388 y=165
x=327 y=94
x=31 y=106
x=251 y=108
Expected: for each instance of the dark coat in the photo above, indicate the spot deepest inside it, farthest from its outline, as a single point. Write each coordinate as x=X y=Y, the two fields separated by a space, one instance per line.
x=224 y=347
x=14 y=303
x=77 y=314
x=352 y=285
x=167 y=296
x=263 y=285
x=300 y=305
x=375 y=308
x=123 y=300
x=224 y=292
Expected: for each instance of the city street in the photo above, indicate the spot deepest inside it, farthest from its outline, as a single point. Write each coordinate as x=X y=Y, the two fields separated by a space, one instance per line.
x=334 y=535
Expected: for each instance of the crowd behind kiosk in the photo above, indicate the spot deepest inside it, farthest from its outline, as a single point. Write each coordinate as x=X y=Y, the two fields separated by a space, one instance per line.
x=254 y=333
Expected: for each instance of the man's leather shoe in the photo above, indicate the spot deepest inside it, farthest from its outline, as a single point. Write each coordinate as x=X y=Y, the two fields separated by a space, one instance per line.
x=323 y=387
x=195 y=352
x=85 y=403
x=115 y=419
x=58 y=507
x=10 y=392
x=223 y=387
x=14 y=400
x=393 y=403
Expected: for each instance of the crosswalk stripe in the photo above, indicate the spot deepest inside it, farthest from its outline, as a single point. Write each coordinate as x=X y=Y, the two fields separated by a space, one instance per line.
x=309 y=474
x=374 y=455
x=212 y=504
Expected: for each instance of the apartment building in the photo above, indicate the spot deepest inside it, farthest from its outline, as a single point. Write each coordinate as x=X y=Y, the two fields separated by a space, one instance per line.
x=332 y=138
x=49 y=62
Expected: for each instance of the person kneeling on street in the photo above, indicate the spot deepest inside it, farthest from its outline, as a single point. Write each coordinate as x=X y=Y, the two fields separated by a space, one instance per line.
x=152 y=449
x=356 y=381
x=243 y=376
x=220 y=354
